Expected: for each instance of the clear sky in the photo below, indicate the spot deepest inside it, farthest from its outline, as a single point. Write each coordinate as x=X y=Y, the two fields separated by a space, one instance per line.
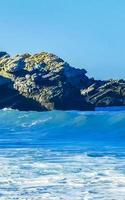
x=88 y=34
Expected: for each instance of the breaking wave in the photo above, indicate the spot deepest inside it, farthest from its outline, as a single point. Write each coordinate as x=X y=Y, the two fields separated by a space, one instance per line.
x=37 y=128
x=62 y=155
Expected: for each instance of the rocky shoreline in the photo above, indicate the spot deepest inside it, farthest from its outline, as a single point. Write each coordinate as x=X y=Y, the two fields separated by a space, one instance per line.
x=44 y=82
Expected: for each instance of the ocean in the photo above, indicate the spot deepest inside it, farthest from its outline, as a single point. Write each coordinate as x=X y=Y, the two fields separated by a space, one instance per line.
x=59 y=155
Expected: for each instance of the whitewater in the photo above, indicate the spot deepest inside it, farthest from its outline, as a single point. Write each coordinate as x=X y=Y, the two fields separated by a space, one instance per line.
x=61 y=155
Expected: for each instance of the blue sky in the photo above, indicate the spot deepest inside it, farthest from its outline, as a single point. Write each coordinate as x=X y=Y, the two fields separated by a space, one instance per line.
x=88 y=34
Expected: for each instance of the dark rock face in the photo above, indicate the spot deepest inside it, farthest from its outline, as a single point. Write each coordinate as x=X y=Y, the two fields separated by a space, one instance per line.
x=3 y=54
x=45 y=82
x=106 y=93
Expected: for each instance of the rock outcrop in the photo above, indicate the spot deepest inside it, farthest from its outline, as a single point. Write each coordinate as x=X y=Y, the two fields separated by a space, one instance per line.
x=105 y=93
x=45 y=82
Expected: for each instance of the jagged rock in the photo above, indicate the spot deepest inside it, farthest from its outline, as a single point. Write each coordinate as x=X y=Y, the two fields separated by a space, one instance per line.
x=45 y=79
x=106 y=93
x=15 y=64
x=45 y=82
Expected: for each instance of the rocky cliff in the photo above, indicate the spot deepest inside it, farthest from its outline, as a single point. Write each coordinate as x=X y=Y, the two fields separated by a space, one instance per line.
x=45 y=82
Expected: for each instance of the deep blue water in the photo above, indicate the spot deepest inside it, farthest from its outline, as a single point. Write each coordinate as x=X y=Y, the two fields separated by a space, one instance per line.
x=62 y=155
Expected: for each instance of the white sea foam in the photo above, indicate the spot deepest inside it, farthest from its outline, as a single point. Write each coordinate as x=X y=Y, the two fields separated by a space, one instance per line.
x=72 y=155
x=42 y=174
x=36 y=122
x=7 y=109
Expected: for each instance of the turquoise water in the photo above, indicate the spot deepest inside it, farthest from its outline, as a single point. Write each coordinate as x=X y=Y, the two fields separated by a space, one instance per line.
x=62 y=155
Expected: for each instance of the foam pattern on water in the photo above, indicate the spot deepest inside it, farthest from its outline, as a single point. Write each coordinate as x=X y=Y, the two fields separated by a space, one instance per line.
x=35 y=174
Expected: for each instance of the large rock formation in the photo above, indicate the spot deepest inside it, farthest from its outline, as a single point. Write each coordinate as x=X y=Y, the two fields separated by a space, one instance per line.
x=45 y=82
x=41 y=82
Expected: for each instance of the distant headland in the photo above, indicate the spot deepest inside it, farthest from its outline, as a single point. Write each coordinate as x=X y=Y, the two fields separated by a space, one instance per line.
x=44 y=82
